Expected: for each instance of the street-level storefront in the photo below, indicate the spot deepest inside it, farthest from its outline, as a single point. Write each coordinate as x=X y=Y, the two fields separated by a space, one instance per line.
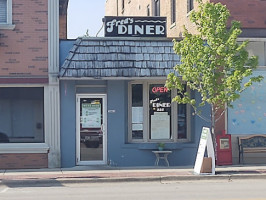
x=115 y=108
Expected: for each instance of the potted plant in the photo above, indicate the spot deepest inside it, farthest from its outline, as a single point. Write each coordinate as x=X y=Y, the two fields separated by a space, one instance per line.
x=161 y=146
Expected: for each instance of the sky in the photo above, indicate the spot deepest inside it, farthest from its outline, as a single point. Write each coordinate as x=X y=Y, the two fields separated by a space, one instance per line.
x=85 y=15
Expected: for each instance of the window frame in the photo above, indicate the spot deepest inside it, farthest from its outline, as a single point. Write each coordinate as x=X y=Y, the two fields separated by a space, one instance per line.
x=29 y=147
x=146 y=120
x=8 y=24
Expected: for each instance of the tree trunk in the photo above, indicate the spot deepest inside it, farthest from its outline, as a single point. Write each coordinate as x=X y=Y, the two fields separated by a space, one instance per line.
x=213 y=129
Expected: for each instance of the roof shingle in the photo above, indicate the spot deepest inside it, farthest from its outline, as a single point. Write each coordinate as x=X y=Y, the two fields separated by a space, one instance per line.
x=111 y=57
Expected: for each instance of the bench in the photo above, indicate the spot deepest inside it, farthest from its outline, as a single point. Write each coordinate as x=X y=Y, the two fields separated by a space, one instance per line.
x=251 y=144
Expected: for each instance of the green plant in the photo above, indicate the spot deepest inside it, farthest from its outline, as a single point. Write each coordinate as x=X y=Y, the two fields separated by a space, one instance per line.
x=161 y=144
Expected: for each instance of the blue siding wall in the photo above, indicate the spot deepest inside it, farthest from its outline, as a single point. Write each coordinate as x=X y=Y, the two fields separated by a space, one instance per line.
x=64 y=46
x=120 y=153
x=68 y=123
x=249 y=113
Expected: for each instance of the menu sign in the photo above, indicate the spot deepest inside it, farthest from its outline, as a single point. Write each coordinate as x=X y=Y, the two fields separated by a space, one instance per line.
x=91 y=115
x=135 y=26
x=160 y=125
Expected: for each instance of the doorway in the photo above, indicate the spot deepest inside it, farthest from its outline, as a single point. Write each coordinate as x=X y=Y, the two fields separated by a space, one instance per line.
x=91 y=129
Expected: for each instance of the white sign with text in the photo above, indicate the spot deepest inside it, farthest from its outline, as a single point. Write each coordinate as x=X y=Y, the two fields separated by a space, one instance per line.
x=205 y=141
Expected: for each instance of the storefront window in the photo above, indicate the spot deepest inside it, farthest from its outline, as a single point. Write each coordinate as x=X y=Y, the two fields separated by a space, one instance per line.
x=21 y=115
x=153 y=115
x=137 y=111
x=159 y=112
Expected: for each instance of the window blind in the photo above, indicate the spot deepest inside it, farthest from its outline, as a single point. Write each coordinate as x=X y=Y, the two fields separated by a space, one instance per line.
x=3 y=11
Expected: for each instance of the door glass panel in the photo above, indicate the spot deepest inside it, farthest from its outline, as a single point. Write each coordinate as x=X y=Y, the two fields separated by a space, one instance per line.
x=91 y=129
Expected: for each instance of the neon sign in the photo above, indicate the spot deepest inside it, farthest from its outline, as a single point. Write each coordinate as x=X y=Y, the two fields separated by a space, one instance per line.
x=159 y=90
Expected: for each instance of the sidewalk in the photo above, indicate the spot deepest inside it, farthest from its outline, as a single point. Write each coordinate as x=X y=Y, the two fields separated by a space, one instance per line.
x=115 y=174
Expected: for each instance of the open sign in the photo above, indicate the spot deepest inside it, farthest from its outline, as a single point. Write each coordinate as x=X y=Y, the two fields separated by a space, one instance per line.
x=159 y=89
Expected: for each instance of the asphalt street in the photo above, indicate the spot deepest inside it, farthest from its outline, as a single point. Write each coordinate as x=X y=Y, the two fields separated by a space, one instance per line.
x=250 y=189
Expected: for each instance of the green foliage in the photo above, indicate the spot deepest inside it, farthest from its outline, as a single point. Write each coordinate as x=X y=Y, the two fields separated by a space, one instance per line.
x=213 y=63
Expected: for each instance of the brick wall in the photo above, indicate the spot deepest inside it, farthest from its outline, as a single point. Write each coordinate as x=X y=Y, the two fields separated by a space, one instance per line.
x=251 y=13
x=139 y=8
x=24 y=50
x=63 y=27
x=23 y=161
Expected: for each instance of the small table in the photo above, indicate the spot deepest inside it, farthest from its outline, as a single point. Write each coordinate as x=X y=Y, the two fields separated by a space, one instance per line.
x=161 y=155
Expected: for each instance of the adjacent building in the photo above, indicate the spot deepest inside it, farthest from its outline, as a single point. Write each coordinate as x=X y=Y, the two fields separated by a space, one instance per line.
x=29 y=87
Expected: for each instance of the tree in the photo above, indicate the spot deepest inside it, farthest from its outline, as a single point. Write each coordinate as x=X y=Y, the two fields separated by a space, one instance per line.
x=213 y=63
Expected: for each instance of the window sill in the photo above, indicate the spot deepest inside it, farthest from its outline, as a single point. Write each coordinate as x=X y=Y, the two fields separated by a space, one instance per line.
x=152 y=146
x=173 y=25
x=189 y=13
x=24 y=148
x=7 y=26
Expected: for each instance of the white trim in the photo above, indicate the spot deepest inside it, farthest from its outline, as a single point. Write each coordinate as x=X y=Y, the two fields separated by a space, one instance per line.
x=104 y=98
x=24 y=148
x=7 y=26
x=52 y=93
x=53 y=39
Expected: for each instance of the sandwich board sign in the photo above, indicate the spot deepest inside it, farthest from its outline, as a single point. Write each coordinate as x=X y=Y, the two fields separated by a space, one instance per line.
x=205 y=141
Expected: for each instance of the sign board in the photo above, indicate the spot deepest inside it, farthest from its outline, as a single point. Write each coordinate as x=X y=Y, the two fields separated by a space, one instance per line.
x=205 y=141
x=91 y=115
x=134 y=26
x=160 y=125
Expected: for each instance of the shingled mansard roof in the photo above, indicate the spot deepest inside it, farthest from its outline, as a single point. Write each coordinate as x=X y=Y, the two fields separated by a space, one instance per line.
x=125 y=58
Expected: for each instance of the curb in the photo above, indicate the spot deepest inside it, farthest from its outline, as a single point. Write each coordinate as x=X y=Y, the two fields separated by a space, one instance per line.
x=76 y=180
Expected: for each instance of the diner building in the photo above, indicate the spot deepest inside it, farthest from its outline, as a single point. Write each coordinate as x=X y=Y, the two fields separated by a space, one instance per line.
x=115 y=109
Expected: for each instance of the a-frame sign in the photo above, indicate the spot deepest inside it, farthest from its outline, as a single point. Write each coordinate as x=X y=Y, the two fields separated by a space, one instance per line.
x=205 y=141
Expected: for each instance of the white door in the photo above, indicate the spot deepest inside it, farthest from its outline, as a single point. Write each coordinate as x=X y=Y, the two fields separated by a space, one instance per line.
x=91 y=129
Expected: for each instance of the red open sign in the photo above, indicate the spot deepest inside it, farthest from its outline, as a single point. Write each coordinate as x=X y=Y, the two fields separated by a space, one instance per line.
x=159 y=89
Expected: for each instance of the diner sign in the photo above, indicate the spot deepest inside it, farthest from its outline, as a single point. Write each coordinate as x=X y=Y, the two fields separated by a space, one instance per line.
x=135 y=26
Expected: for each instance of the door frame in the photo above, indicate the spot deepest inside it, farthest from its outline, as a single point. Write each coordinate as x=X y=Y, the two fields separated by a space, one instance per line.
x=104 y=104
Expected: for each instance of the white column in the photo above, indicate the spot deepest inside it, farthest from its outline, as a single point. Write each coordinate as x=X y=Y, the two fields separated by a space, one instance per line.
x=52 y=96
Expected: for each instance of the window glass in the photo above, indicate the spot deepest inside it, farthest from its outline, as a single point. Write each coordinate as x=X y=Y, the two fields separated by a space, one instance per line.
x=156 y=7
x=3 y=11
x=123 y=4
x=21 y=115
x=173 y=12
x=190 y=5
x=137 y=111
x=148 y=10
x=159 y=112
x=182 y=121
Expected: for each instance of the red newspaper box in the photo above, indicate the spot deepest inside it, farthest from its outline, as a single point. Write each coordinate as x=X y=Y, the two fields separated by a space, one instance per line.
x=224 y=149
